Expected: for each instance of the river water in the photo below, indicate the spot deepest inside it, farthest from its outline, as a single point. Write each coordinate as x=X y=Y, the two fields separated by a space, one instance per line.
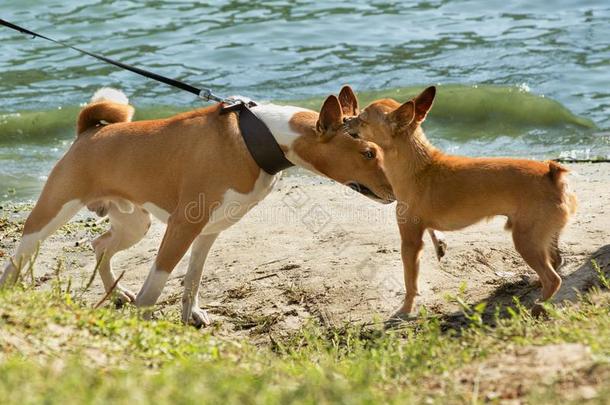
x=516 y=78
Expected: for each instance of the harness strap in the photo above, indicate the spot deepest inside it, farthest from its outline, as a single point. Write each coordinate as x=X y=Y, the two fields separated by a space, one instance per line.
x=261 y=144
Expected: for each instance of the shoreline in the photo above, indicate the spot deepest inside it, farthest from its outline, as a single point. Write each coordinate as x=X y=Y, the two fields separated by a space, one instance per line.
x=315 y=249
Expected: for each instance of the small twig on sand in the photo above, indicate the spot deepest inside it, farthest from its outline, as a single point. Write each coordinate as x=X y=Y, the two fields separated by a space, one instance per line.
x=271 y=262
x=170 y=300
x=264 y=277
x=105 y=297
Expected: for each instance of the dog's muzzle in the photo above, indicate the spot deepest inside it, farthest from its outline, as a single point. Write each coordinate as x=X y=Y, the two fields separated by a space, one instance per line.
x=364 y=190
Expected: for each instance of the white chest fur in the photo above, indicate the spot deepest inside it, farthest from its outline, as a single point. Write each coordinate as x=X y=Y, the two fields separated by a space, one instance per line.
x=231 y=209
x=235 y=205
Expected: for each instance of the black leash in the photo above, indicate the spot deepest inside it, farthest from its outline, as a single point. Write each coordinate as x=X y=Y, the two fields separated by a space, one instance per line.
x=203 y=93
x=259 y=140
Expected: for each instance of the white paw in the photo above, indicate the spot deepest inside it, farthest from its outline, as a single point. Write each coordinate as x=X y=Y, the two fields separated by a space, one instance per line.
x=122 y=296
x=197 y=317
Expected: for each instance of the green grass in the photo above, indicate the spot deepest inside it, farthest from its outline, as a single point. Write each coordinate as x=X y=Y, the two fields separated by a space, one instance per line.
x=56 y=349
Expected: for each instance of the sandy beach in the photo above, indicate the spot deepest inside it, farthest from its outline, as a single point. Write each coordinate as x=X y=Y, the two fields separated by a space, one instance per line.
x=314 y=249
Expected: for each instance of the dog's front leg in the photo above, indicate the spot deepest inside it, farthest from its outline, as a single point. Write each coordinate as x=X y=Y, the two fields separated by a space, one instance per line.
x=411 y=247
x=190 y=300
x=180 y=233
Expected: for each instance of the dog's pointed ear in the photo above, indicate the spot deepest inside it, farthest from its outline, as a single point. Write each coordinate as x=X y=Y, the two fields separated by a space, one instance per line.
x=404 y=115
x=330 y=117
x=348 y=101
x=423 y=103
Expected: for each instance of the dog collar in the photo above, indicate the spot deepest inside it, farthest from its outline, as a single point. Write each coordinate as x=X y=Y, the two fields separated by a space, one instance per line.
x=259 y=140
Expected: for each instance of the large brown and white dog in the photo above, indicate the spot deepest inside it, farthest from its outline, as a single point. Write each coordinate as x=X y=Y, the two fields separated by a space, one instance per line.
x=192 y=171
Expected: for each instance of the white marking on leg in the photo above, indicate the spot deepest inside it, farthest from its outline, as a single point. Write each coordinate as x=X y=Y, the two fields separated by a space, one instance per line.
x=125 y=206
x=152 y=288
x=126 y=230
x=190 y=300
x=156 y=211
x=30 y=242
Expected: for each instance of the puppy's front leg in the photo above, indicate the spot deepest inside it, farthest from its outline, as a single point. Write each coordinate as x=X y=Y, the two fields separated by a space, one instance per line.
x=411 y=247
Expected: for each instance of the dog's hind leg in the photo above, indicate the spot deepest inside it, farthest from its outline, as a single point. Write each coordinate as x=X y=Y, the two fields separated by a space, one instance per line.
x=555 y=254
x=53 y=210
x=190 y=300
x=534 y=248
x=440 y=246
x=126 y=229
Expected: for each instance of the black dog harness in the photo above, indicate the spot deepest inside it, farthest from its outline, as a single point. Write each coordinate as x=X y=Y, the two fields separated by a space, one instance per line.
x=259 y=140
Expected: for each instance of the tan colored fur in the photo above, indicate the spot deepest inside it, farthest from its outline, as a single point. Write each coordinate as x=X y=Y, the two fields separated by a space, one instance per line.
x=102 y=113
x=191 y=160
x=445 y=192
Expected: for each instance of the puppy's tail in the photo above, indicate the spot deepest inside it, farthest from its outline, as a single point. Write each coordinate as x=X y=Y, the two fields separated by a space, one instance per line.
x=107 y=106
x=556 y=171
x=557 y=174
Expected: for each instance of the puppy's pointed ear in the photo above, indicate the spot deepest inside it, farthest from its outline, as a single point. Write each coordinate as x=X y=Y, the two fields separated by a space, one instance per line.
x=404 y=115
x=423 y=103
x=331 y=117
x=348 y=101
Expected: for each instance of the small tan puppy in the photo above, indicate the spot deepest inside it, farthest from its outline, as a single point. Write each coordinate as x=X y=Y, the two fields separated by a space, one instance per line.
x=444 y=192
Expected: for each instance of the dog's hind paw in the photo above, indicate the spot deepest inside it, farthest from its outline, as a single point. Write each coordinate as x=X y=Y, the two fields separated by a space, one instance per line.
x=193 y=315
x=539 y=312
x=440 y=246
x=122 y=297
x=441 y=249
x=200 y=318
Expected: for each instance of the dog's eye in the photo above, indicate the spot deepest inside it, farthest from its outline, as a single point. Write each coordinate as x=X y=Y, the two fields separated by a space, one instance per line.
x=369 y=154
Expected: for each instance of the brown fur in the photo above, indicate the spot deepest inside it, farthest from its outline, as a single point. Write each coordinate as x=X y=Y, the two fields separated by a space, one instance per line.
x=102 y=113
x=183 y=165
x=446 y=192
x=169 y=162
